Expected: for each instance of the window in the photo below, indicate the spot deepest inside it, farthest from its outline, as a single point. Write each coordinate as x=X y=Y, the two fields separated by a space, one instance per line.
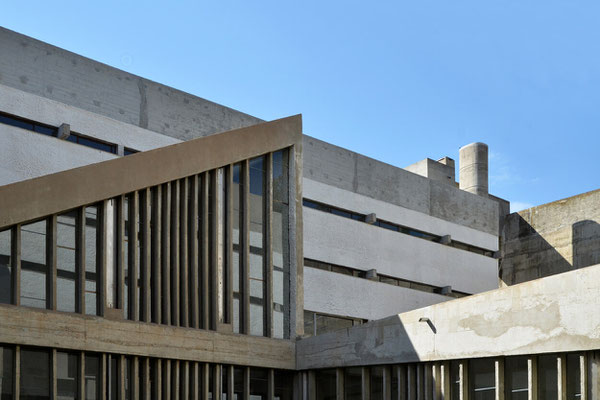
x=547 y=377
x=33 y=265
x=7 y=362
x=482 y=383
x=35 y=374
x=5 y=267
x=515 y=378
x=67 y=381
x=326 y=384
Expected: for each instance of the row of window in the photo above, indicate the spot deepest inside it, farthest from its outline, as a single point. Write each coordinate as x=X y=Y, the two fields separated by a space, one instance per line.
x=73 y=137
x=84 y=375
x=393 y=227
x=318 y=323
x=381 y=278
x=408 y=381
x=192 y=252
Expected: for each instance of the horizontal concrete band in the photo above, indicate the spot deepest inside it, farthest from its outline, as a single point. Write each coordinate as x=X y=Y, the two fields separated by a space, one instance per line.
x=31 y=327
x=548 y=315
x=39 y=197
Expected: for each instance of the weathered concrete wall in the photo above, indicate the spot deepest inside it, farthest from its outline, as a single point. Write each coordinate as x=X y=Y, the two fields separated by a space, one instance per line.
x=436 y=170
x=396 y=214
x=39 y=68
x=551 y=238
x=332 y=165
x=361 y=246
x=554 y=314
x=333 y=293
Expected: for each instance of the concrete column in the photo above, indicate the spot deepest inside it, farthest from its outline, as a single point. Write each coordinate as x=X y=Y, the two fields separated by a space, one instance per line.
x=428 y=381
x=400 y=372
x=561 y=369
x=366 y=383
x=463 y=373
x=445 y=381
x=499 y=378
x=473 y=172
x=593 y=375
x=437 y=381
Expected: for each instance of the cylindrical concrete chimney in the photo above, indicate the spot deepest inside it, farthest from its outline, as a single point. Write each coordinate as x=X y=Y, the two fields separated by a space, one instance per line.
x=473 y=172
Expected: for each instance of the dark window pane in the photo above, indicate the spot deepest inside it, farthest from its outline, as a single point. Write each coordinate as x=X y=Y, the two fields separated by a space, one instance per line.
x=128 y=151
x=236 y=217
x=35 y=374
x=376 y=383
x=455 y=380
x=95 y=144
x=67 y=381
x=325 y=381
x=33 y=265
x=515 y=378
x=65 y=262
x=5 y=268
x=573 y=377
x=7 y=362
x=547 y=377
x=258 y=384
x=91 y=224
x=341 y=213
x=284 y=383
x=238 y=383
x=44 y=130
x=353 y=383
x=256 y=270
x=8 y=120
x=482 y=379
x=309 y=323
x=92 y=376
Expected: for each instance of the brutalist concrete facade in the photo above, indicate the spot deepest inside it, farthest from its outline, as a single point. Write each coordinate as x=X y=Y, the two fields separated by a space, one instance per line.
x=367 y=241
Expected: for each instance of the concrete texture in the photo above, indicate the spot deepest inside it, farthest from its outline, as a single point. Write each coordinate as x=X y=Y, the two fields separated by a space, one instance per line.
x=52 y=155
x=334 y=293
x=48 y=71
x=441 y=171
x=344 y=169
x=553 y=314
x=473 y=167
x=361 y=246
x=55 y=113
x=551 y=238
x=348 y=200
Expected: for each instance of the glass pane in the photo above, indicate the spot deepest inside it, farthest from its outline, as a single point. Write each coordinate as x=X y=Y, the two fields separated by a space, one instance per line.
x=33 y=265
x=455 y=380
x=515 y=378
x=256 y=209
x=376 y=383
x=573 y=377
x=280 y=245
x=66 y=377
x=92 y=376
x=482 y=377
x=35 y=374
x=284 y=384
x=238 y=383
x=126 y=250
x=112 y=373
x=258 y=384
x=325 y=381
x=353 y=383
x=236 y=217
x=91 y=224
x=66 y=275
x=547 y=377
x=7 y=363
x=5 y=268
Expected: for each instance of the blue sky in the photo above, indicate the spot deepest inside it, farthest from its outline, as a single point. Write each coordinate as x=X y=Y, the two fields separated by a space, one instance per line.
x=398 y=81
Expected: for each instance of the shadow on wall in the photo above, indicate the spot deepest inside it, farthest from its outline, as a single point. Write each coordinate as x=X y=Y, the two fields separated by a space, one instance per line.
x=526 y=255
x=586 y=243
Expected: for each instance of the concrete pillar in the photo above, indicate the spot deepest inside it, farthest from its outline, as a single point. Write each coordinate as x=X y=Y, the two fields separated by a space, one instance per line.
x=593 y=375
x=532 y=380
x=499 y=378
x=473 y=172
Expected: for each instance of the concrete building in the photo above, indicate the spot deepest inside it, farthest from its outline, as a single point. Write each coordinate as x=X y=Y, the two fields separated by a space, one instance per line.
x=154 y=244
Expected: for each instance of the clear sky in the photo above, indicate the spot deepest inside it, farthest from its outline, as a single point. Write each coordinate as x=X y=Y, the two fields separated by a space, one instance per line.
x=398 y=81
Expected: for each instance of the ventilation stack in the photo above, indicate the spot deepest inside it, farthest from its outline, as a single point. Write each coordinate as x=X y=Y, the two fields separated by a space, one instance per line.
x=473 y=172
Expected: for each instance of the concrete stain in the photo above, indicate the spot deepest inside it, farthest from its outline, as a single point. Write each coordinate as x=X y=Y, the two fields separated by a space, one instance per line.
x=543 y=317
x=24 y=79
